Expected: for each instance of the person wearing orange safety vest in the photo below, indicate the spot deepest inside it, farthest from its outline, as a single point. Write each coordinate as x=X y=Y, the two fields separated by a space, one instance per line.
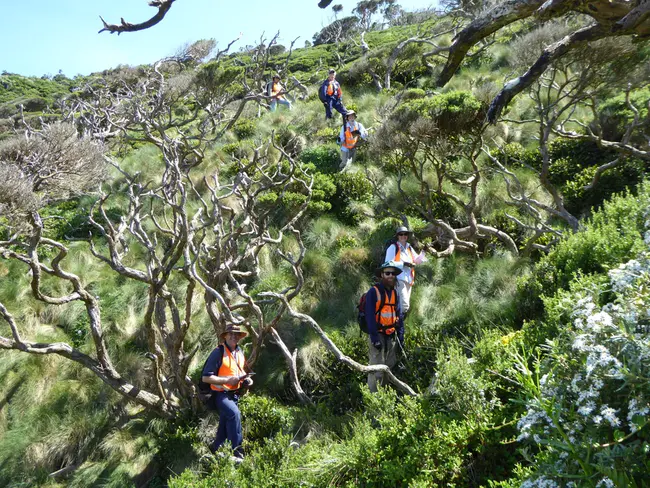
x=225 y=372
x=406 y=258
x=384 y=322
x=349 y=137
x=331 y=95
x=276 y=91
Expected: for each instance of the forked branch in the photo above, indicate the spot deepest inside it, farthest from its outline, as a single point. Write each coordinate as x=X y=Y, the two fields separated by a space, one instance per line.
x=163 y=7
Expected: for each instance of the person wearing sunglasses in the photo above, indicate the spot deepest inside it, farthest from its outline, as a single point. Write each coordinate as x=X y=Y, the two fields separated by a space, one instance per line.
x=225 y=372
x=406 y=258
x=384 y=322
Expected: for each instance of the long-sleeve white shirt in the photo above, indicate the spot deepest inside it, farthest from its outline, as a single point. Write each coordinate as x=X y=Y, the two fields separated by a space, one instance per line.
x=407 y=255
x=363 y=133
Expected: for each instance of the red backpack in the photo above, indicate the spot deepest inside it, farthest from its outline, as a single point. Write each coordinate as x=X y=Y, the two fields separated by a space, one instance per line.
x=361 y=316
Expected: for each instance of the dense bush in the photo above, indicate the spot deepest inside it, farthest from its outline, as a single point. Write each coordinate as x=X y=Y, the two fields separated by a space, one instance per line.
x=350 y=188
x=244 y=128
x=264 y=417
x=452 y=112
x=615 y=114
x=432 y=450
x=588 y=402
x=573 y=164
x=611 y=236
x=325 y=158
x=413 y=94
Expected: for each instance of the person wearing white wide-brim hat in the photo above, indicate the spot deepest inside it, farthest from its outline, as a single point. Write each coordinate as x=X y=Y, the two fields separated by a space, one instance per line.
x=349 y=137
x=406 y=259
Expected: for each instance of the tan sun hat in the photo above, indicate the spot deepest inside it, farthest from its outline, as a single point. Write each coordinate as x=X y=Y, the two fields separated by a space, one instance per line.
x=237 y=329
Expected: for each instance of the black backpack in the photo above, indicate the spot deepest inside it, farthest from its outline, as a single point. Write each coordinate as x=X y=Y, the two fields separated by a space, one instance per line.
x=361 y=316
x=321 y=93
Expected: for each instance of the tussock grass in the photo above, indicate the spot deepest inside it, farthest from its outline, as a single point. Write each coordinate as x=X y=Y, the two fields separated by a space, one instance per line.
x=322 y=233
x=313 y=360
x=466 y=295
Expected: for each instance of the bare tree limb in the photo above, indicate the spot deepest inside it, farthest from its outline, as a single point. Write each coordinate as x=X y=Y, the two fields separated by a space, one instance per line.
x=163 y=7
x=550 y=54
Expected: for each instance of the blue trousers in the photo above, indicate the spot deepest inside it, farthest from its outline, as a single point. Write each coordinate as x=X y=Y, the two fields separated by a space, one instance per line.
x=229 y=421
x=274 y=103
x=335 y=103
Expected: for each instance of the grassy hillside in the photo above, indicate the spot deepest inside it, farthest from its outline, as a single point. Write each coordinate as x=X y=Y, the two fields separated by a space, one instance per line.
x=529 y=367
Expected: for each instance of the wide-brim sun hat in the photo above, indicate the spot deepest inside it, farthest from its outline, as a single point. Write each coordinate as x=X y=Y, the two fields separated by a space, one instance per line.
x=350 y=112
x=390 y=264
x=403 y=229
x=237 y=329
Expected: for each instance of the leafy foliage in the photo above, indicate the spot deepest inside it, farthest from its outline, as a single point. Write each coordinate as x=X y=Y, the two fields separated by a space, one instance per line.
x=461 y=336
x=613 y=235
x=589 y=417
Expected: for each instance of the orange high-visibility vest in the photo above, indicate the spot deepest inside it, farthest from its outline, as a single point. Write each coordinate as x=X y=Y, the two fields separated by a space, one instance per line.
x=410 y=251
x=388 y=313
x=277 y=88
x=230 y=367
x=350 y=140
x=332 y=90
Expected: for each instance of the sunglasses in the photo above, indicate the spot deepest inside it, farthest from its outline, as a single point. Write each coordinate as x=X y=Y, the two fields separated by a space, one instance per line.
x=402 y=234
x=390 y=273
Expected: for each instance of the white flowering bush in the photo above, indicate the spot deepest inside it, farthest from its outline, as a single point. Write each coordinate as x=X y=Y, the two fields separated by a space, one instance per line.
x=588 y=396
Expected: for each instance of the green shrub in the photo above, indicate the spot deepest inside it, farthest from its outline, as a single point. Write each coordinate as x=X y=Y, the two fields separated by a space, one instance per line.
x=244 y=129
x=413 y=94
x=573 y=165
x=612 y=235
x=350 y=188
x=325 y=158
x=515 y=155
x=264 y=417
x=453 y=112
x=615 y=114
x=587 y=403
x=458 y=387
x=239 y=150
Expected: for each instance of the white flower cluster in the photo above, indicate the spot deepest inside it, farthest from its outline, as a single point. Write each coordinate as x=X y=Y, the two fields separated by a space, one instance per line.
x=637 y=408
x=591 y=388
x=541 y=482
x=534 y=417
x=605 y=483
x=626 y=274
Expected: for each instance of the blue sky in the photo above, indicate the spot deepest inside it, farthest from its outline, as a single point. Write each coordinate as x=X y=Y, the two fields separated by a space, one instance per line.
x=44 y=36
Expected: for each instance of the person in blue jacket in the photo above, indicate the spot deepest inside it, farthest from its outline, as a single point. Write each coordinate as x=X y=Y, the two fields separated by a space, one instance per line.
x=384 y=322
x=331 y=95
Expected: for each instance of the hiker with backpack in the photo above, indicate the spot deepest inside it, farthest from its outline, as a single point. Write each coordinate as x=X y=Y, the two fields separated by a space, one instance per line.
x=382 y=316
x=331 y=95
x=406 y=258
x=276 y=91
x=349 y=138
x=224 y=372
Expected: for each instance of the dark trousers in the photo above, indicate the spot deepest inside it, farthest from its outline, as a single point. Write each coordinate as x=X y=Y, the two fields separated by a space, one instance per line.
x=226 y=403
x=335 y=103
